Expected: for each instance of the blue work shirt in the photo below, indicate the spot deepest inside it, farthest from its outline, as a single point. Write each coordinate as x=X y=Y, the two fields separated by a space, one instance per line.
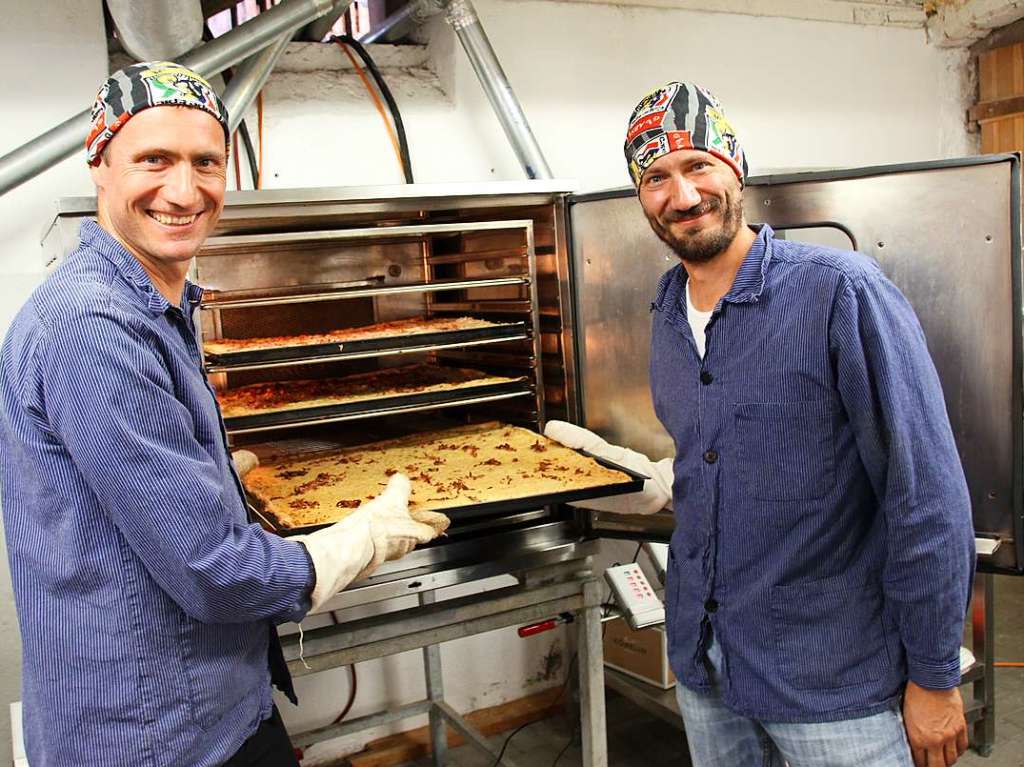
x=823 y=523
x=144 y=596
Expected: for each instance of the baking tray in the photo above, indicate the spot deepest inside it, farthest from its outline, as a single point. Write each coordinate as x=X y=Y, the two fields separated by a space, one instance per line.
x=376 y=406
x=417 y=342
x=496 y=508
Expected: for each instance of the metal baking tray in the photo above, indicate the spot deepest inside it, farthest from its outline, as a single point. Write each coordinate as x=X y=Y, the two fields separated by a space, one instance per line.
x=496 y=508
x=368 y=347
x=466 y=395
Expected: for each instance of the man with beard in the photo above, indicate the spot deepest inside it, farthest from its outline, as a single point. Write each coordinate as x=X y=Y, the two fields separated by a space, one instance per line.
x=822 y=559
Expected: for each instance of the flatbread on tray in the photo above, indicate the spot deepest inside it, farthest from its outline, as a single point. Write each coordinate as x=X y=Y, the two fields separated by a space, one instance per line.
x=410 y=327
x=278 y=396
x=457 y=467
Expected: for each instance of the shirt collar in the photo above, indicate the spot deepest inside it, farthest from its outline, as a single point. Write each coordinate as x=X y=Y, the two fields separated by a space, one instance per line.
x=101 y=241
x=748 y=284
x=746 y=287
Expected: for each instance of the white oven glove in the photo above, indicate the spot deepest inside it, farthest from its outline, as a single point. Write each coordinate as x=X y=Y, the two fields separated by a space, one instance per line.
x=657 y=492
x=244 y=461
x=353 y=548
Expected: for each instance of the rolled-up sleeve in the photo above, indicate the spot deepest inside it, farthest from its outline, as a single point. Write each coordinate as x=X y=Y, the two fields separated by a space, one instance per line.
x=111 y=401
x=893 y=398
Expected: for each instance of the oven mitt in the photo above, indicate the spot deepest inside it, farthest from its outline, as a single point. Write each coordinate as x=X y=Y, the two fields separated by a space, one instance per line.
x=378 y=531
x=657 y=492
x=244 y=461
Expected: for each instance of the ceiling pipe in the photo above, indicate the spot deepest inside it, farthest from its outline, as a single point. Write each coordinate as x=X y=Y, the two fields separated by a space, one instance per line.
x=317 y=30
x=249 y=80
x=157 y=29
x=32 y=158
x=398 y=22
x=462 y=18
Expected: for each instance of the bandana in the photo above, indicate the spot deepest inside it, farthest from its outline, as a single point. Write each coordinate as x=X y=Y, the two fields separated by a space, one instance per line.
x=140 y=86
x=680 y=116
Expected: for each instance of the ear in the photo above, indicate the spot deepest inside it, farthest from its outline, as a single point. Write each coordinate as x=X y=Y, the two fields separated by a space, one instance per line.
x=99 y=173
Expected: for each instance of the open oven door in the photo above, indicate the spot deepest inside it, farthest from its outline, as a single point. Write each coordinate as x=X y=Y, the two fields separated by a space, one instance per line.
x=948 y=233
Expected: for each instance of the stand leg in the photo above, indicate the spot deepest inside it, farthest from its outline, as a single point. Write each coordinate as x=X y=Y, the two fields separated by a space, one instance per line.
x=591 y=657
x=983 y=646
x=435 y=692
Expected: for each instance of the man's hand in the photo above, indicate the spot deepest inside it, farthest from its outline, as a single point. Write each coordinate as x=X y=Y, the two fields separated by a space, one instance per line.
x=935 y=724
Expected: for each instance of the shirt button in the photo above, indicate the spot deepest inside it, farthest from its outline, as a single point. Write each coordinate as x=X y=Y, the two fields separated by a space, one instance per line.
x=710 y=456
x=706 y=378
x=711 y=605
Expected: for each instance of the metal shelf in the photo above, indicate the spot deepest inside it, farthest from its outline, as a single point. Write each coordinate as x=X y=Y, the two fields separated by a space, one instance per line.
x=372 y=412
x=322 y=358
x=338 y=295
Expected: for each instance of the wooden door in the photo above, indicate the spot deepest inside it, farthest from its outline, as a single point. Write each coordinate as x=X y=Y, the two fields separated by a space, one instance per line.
x=1000 y=107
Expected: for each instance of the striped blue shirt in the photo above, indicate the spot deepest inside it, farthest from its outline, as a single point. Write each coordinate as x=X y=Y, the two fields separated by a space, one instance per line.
x=144 y=597
x=823 y=524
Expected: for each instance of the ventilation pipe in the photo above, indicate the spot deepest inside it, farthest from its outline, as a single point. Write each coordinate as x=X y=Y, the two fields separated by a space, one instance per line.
x=462 y=18
x=31 y=159
x=157 y=29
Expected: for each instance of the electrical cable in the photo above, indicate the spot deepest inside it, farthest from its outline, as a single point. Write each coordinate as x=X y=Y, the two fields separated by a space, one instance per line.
x=250 y=153
x=397 y=130
x=392 y=135
x=520 y=728
x=353 y=682
x=1008 y=664
x=242 y=130
x=353 y=687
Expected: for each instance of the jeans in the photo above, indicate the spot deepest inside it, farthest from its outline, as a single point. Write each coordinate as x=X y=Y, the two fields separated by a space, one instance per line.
x=720 y=738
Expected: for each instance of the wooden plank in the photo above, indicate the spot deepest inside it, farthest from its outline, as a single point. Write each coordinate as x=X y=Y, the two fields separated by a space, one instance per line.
x=1001 y=73
x=990 y=110
x=415 y=744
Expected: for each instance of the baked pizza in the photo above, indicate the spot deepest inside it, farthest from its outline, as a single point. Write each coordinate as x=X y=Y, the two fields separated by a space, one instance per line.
x=457 y=467
x=277 y=396
x=410 y=327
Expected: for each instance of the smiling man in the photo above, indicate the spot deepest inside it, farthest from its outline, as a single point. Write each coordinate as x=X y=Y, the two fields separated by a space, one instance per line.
x=822 y=559
x=147 y=601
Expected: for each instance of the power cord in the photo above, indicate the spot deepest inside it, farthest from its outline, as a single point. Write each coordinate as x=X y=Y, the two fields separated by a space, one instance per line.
x=520 y=728
x=402 y=144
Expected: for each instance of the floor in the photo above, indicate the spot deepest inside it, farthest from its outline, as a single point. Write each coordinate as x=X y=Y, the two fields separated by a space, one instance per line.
x=638 y=739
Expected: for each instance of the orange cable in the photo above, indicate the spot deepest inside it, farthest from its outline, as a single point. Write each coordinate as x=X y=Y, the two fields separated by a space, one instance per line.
x=259 y=165
x=376 y=101
x=1008 y=664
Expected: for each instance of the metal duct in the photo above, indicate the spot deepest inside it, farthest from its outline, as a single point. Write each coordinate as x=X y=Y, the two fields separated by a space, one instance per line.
x=462 y=17
x=399 y=22
x=249 y=80
x=157 y=29
x=34 y=157
x=317 y=30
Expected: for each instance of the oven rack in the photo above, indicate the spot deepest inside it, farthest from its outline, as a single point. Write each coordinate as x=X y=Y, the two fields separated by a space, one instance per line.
x=377 y=407
x=363 y=348
x=347 y=293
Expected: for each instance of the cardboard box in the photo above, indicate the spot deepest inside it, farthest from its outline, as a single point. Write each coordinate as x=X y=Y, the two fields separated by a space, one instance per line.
x=642 y=654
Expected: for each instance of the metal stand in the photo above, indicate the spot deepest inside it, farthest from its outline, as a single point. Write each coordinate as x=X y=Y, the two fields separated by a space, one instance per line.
x=980 y=709
x=541 y=592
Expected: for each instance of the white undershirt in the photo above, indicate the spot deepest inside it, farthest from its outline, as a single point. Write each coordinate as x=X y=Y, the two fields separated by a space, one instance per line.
x=698 y=321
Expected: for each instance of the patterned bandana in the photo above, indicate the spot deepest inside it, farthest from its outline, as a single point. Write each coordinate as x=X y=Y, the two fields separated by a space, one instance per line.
x=140 y=86
x=680 y=116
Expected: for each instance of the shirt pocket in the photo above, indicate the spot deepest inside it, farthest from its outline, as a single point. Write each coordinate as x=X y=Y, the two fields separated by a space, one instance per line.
x=830 y=633
x=786 y=449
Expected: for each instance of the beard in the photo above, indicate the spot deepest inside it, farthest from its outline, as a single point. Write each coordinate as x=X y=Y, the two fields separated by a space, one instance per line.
x=700 y=245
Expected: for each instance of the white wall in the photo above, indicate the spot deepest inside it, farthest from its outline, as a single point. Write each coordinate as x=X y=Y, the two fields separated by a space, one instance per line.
x=800 y=93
